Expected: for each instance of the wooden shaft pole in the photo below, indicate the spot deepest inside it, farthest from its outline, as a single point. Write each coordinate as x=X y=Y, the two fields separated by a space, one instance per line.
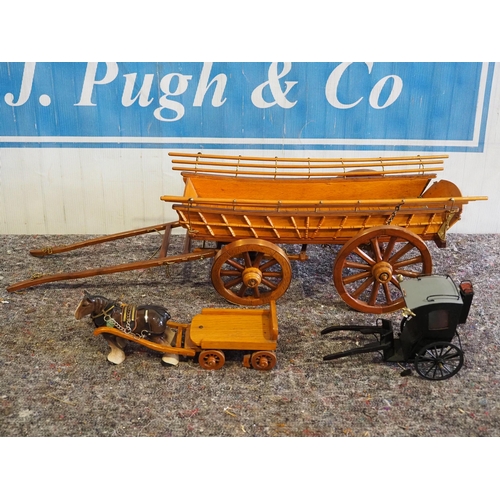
x=42 y=252
x=145 y=264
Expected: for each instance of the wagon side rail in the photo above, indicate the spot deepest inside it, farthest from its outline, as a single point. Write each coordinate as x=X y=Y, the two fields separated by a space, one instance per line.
x=323 y=222
x=305 y=167
x=318 y=204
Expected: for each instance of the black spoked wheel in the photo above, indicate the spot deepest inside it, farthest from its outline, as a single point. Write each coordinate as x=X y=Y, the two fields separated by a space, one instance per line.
x=439 y=361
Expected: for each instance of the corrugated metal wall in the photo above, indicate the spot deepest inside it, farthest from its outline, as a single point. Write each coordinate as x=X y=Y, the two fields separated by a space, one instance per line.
x=91 y=158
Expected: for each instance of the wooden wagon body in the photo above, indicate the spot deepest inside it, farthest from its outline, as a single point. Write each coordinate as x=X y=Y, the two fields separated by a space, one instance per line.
x=296 y=204
x=381 y=211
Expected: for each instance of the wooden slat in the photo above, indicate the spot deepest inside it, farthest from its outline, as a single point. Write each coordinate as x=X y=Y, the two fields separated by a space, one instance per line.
x=306 y=160
x=274 y=173
x=278 y=166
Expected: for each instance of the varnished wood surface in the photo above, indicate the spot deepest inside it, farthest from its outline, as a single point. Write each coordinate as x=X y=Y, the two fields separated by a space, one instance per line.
x=204 y=186
x=245 y=329
x=144 y=264
x=42 y=252
x=151 y=345
x=247 y=165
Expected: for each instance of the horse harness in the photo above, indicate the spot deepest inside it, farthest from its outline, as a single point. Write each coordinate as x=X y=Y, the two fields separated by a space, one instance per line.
x=128 y=323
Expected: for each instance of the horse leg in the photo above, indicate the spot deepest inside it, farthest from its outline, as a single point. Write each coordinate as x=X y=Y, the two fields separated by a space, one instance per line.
x=116 y=355
x=121 y=342
x=168 y=339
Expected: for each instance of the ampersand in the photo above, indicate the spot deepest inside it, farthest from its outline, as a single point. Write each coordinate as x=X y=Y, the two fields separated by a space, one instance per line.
x=273 y=82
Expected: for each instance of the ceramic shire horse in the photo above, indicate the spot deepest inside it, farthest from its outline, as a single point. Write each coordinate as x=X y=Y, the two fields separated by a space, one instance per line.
x=147 y=321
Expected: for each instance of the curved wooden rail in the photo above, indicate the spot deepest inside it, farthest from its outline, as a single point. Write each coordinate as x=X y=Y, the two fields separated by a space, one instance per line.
x=278 y=167
x=183 y=351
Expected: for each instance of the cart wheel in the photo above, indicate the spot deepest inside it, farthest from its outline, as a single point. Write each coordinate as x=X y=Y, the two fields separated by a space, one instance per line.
x=263 y=360
x=366 y=268
x=439 y=361
x=251 y=272
x=211 y=359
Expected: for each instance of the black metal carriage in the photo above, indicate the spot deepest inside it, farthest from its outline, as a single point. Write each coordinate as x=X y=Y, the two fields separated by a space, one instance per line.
x=435 y=306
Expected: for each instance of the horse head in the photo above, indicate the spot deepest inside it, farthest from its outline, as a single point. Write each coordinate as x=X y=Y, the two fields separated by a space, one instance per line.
x=90 y=304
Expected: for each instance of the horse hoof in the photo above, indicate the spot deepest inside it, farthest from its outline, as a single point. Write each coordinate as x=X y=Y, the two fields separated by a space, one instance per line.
x=116 y=357
x=171 y=359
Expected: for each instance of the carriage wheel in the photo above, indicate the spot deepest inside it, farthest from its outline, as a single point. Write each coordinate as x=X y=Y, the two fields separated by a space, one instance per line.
x=263 y=360
x=211 y=359
x=251 y=272
x=439 y=361
x=366 y=268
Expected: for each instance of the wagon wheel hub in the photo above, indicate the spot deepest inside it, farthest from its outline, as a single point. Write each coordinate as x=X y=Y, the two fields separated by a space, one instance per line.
x=252 y=276
x=382 y=272
x=211 y=360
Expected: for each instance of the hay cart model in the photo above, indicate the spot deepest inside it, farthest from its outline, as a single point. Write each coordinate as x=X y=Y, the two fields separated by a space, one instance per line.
x=380 y=210
x=216 y=330
x=435 y=306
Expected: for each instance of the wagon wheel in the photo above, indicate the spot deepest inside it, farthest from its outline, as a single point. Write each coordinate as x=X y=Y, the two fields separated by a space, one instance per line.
x=251 y=272
x=211 y=359
x=366 y=268
x=263 y=360
x=439 y=361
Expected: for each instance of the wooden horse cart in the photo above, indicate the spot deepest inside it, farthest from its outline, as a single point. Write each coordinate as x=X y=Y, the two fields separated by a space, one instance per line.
x=216 y=330
x=244 y=209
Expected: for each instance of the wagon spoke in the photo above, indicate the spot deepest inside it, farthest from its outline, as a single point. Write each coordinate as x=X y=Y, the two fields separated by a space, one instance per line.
x=242 y=290
x=395 y=282
x=272 y=274
x=355 y=277
x=267 y=264
x=230 y=272
x=363 y=287
x=374 y=293
x=408 y=273
x=258 y=260
x=376 y=249
x=387 y=292
x=248 y=260
x=451 y=356
x=409 y=262
x=363 y=255
x=233 y=283
x=445 y=368
x=235 y=264
x=389 y=248
x=269 y=284
x=401 y=252
x=356 y=265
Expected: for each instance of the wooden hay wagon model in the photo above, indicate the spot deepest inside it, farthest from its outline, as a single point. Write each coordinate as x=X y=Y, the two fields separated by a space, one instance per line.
x=382 y=211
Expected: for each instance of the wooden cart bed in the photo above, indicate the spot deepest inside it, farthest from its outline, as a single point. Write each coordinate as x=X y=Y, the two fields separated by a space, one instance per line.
x=237 y=329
